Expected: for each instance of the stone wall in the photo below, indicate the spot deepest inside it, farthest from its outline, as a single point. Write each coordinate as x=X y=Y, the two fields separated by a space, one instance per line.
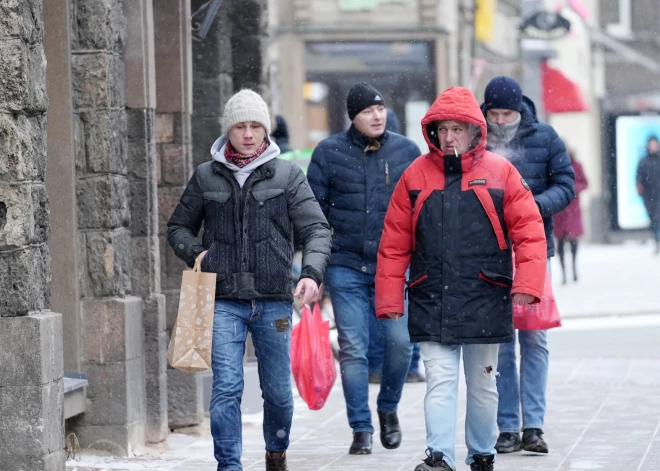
x=31 y=393
x=111 y=327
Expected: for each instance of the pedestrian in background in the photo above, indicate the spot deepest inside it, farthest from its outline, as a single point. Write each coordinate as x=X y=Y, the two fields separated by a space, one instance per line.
x=540 y=156
x=648 y=186
x=568 y=223
x=353 y=174
x=453 y=219
x=251 y=204
x=376 y=347
x=281 y=134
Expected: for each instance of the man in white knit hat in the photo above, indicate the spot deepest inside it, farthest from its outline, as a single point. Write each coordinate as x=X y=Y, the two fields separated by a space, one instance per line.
x=252 y=205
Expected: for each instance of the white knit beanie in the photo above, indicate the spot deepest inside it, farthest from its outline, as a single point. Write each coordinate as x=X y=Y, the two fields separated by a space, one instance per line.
x=246 y=105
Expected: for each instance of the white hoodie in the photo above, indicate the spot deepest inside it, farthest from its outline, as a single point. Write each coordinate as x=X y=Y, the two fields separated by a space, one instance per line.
x=242 y=174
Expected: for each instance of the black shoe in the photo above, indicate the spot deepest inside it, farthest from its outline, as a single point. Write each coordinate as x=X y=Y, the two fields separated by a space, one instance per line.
x=361 y=443
x=508 y=442
x=276 y=462
x=532 y=440
x=416 y=377
x=390 y=430
x=433 y=461
x=374 y=378
x=483 y=463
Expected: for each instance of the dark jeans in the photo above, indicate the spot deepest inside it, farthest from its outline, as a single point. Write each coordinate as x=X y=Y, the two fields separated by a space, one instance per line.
x=269 y=322
x=377 y=350
x=353 y=301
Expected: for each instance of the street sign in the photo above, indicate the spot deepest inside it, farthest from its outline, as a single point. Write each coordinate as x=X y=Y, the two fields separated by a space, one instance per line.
x=545 y=25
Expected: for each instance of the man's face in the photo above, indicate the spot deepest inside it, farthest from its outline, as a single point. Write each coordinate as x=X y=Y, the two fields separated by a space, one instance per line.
x=454 y=135
x=501 y=116
x=371 y=121
x=246 y=137
x=653 y=146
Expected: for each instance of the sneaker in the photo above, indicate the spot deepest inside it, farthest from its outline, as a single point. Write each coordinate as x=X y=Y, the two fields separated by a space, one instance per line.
x=483 y=463
x=433 y=461
x=276 y=461
x=532 y=440
x=508 y=442
x=415 y=377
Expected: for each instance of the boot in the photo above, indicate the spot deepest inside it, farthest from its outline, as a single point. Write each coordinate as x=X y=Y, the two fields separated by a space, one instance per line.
x=433 y=462
x=533 y=441
x=361 y=444
x=390 y=430
x=482 y=463
x=415 y=377
x=508 y=442
x=276 y=461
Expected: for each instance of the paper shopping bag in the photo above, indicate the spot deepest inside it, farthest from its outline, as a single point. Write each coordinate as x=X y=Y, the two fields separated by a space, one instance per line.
x=191 y=341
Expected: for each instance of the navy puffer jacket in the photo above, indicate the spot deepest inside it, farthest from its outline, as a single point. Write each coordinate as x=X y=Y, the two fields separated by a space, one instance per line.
x=540 y=156
x=354 y=186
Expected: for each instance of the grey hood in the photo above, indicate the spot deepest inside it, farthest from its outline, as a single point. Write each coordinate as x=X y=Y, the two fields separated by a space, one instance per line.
x=242 y=174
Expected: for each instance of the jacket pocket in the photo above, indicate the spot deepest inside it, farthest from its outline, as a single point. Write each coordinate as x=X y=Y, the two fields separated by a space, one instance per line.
x=412 y=284
x=264 y=195
x=495 y=278
x=217 y=196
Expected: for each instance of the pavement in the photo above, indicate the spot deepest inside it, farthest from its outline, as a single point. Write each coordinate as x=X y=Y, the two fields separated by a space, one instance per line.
x=603 y=392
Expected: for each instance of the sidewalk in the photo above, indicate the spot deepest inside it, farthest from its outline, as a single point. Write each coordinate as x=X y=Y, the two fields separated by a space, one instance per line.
x=613 y=280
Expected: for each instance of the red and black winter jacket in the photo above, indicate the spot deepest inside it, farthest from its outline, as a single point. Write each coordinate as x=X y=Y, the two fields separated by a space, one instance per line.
x=454 y=221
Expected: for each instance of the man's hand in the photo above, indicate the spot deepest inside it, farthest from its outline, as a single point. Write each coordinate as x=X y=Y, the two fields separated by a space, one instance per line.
x=307 y=291
x=395 y=316
x=521 y=299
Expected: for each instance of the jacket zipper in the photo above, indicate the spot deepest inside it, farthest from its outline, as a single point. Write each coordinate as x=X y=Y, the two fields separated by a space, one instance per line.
x=387 y=174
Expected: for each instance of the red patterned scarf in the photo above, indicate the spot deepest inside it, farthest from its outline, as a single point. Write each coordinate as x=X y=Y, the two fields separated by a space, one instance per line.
x=241 y=161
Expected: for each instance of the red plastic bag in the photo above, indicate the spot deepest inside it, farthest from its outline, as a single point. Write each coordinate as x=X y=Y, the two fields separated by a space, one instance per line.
x=312 y=361
x=540 y=316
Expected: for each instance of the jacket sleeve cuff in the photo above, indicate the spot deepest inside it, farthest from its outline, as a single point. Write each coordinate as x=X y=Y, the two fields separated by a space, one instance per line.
x=194 y=251
x=531 y=292
x=310 y=273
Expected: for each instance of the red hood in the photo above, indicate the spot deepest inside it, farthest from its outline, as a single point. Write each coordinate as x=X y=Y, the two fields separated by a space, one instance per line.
x=458 y=104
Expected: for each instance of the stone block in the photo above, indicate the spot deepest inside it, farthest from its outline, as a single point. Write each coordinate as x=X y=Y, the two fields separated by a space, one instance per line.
x=23 y=147
x=153 y=309
x=141 y=206
x=83 y=277
x=248 y=74
x=173 y=164
x=105 y=141
x=146 y=265
x=111 y=330
x=118 y=440
x=103 y=202
x=55 y=461
x=115 y=395
x=109 y=263
x=204 y=133
x=164 y=128
x=97 y=81
x=171 y=308
x=155 y=353
x=141 y=157
x=141 y=124
x=32 y=419
x=22 y=19
x=79 y=144
x=184 y=398
x=181 y=128
x=171 y=267
x=210 y=96
x=24 y=281
x=98 y=24
x=157 y=423
x=27 y=216
x=168 y=199
x=32 y=350
x=23 y=72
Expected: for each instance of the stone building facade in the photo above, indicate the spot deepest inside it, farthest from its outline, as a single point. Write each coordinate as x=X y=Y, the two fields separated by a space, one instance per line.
x=118 y=90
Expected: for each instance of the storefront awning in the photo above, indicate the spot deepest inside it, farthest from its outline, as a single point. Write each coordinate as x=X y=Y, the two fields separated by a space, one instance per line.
x=561 y=94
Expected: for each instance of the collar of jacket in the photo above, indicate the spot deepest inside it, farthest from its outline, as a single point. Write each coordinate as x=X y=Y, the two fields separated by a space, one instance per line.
x=265 y=171
x=363 y=141
x=450 y=163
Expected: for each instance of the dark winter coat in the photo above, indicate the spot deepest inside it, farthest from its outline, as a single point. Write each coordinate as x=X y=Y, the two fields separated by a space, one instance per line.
x=540 y=156
x=648 y=181
x=249 y=232
x=354 y=186
x=453 y=220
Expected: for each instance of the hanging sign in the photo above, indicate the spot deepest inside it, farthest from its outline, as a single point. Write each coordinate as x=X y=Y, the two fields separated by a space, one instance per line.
x=546 y=25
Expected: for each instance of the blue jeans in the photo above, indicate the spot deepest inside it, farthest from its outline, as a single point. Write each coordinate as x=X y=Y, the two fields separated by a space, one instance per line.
x=441 y=402
x=377 y=350
x=269 y=322
x=353 y=301
x=529 y=391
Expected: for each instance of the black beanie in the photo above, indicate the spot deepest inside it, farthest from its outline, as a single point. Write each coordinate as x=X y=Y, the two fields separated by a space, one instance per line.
x=503 y=93
x=362 y=96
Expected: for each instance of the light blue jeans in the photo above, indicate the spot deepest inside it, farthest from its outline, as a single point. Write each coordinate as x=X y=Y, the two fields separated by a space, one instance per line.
x=527 y=392
x=441 y=401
